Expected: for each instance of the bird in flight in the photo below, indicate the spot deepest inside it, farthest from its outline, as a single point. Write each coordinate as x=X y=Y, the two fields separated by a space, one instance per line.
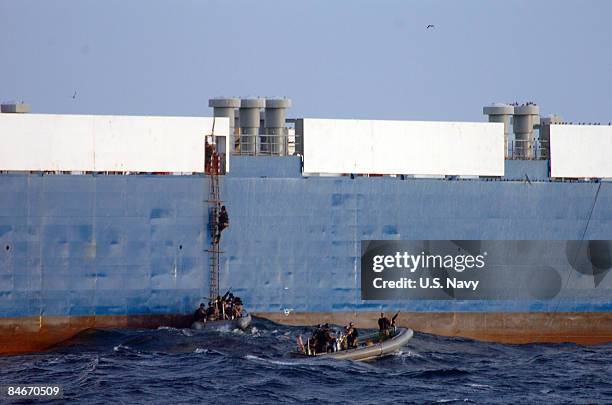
x=74 y=95
x=430 y=26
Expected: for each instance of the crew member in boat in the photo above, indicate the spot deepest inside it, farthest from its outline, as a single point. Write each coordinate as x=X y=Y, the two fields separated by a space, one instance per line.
x=351 y=335
x=324 y=339
x=200 y=314
x=237 y=307
x=219 y=305
x=318 y=339
x=320 y=344
x=227 y=307
x=330 y=339
x=212 y=313
x=385 y=325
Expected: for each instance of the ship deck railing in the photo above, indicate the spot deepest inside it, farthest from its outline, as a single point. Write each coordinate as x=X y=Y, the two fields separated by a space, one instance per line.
x=283 y=144
x=522 y=149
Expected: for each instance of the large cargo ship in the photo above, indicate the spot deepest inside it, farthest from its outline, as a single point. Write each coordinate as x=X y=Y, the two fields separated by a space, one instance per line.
x=105 y=220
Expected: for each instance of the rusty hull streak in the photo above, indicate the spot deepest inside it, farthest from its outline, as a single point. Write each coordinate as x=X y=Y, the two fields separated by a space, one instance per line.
x=32 y=334
x=501 y=327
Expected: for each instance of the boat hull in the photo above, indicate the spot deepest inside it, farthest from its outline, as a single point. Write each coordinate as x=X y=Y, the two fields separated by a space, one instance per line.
x=372 y=351
x=240 y=323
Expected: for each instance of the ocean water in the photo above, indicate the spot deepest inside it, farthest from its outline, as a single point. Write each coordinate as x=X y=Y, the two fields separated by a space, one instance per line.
x=169 y=365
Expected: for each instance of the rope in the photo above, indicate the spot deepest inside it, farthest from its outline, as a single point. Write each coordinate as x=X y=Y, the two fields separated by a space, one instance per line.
x=575 y=259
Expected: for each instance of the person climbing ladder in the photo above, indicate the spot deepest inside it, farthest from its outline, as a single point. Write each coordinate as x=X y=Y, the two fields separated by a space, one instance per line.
x=223 y=222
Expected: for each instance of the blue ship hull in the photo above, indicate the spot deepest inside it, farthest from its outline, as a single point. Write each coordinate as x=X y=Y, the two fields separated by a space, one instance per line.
x=91 y=250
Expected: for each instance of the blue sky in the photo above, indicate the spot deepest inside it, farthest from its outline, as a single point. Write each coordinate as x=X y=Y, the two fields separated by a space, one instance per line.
x=335 y=59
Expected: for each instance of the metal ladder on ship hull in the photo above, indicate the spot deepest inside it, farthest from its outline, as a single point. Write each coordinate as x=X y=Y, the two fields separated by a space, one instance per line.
x=214 y=203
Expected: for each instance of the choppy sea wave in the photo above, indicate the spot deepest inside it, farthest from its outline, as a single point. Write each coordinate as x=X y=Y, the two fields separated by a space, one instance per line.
x=170 y=365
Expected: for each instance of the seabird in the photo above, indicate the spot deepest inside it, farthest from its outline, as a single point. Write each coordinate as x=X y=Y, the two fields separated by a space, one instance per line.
x=430 y=26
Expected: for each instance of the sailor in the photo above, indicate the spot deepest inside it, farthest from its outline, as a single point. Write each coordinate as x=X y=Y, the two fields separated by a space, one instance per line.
x=238 y=307
x=329 y=338
x=223 y=223
x=351 y=335
x=219 y=304
x=208 y=151
x=322 y=338
x=231 y=309
x=318 y=339
x=211 y=312
x=227 y=311
x=200 y=314
x=383 y=324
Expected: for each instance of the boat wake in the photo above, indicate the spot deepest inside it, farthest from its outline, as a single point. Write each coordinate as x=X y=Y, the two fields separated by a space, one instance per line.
x=271 y=361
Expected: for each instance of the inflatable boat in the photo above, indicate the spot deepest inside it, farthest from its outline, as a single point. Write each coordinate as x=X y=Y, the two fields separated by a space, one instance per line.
x=371 y=347
x=239 y=323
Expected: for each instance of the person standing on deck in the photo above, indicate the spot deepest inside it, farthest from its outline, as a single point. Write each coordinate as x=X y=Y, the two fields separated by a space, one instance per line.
x=384 y=324
x=200 y=314
x=351 y=335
